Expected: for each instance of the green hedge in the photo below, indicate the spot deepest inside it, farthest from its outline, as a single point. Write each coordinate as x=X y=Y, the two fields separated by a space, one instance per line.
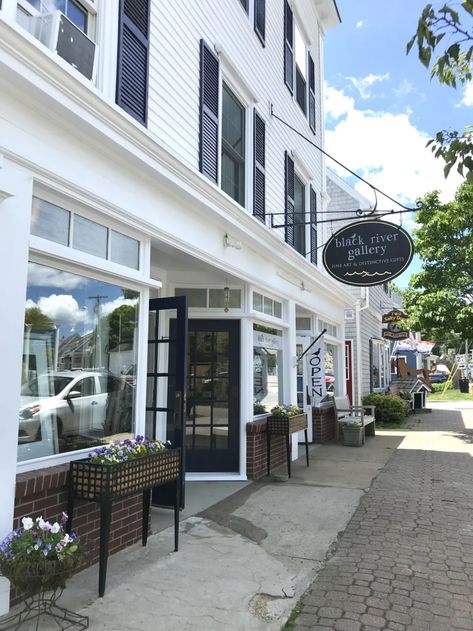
x=389 y=408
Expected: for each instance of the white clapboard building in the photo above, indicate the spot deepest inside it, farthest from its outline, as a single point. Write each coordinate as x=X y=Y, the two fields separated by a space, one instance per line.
x=143 y=159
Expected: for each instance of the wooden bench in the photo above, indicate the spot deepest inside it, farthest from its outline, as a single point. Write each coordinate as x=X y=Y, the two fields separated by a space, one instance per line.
x=345 y=412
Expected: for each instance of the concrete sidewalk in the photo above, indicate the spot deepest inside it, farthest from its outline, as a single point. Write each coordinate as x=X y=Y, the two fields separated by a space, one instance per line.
x=244 y=562
x=359 y=540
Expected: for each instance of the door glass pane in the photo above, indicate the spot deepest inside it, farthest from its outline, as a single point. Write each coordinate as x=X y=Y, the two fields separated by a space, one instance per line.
x=79 y=358
x=90 y=237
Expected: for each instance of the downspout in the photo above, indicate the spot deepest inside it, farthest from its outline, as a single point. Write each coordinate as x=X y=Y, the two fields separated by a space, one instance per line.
x=365 y=294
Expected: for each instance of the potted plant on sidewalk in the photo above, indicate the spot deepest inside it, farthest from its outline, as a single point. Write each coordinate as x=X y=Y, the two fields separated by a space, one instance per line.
x=37 y=558
x=353 y=433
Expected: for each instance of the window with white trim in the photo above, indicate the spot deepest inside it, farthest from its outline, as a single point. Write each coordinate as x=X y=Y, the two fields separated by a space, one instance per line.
x=380 y=366
x=79 y=362
x=266 y=305
x=299 y=66
x=71 y=229
x=68 y=27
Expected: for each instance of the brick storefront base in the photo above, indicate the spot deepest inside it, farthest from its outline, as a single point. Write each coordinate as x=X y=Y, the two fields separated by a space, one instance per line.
x=323 y=423
x=256 y=450
x=44 y=493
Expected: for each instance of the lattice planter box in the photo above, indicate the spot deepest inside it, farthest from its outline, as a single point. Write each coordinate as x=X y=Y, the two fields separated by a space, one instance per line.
x=94 y=482
x=285 y=425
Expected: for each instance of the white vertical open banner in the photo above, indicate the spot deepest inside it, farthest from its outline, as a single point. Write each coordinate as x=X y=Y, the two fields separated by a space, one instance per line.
x=315 y=370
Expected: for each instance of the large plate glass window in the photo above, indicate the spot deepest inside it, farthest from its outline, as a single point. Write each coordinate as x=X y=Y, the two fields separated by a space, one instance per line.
x=79 y=360
x=233 y=146
x=331 y=368
x=267 y=366
x=379 y=365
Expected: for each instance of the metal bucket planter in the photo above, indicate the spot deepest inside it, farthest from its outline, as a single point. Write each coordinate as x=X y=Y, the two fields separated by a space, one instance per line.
x=352 y=436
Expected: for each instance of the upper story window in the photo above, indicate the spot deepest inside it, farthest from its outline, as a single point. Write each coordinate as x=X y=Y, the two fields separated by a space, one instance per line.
x=224 y=135
x=64 y=26
x=233 y=146
x=266 y=305
x=258 y=9
x=299 y=67
x=299 y=216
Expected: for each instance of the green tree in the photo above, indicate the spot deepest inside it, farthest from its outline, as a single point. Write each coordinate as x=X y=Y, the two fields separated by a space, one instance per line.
x=443 y=31
x=36 y=319
x=439 y=299
x=121 y=323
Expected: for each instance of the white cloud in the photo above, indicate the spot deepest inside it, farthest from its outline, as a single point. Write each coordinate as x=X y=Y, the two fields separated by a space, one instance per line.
x=363 y=84
x=360 y=24
x=387 y=150
x=107 y=307
x=62 y=309
x=467 y=99
x=337 y=104
x=42 y=276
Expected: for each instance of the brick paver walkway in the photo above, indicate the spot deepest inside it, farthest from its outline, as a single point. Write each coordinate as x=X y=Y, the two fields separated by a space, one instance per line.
x=405 y=560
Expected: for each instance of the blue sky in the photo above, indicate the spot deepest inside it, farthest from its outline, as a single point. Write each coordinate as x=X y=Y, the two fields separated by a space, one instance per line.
x=382 y=107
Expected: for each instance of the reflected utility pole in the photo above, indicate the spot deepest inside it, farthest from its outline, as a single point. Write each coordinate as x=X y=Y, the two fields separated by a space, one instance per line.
x=98 y=332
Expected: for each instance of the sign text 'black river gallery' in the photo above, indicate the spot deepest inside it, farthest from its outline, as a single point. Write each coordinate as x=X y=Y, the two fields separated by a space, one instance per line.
x=368 y=253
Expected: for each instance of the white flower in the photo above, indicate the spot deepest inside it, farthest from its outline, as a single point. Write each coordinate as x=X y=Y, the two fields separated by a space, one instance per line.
x=55 y=528
x=44 y=525
x=27 y=523
x=66 y=539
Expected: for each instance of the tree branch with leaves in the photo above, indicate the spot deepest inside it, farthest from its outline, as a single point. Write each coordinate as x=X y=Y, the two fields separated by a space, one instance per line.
x=445 y=30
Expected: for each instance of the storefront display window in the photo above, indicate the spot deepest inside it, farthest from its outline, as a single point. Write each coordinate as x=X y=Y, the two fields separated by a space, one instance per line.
x=267 y=366
x=331 y=368
x=379 y=365
x=79 y=362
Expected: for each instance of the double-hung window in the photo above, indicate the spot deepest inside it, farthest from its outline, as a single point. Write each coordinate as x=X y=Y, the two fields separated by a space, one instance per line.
x=224 y=119
x=299 y=67
x=299 y=212
x=233 y=146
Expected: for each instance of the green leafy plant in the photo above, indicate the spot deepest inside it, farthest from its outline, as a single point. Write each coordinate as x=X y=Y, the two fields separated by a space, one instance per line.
x=389 y=408
x=283 y=411
x=259 y=408
x=352 y=423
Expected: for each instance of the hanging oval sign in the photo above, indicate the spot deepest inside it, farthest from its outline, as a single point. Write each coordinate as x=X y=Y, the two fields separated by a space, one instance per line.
x=368 y=253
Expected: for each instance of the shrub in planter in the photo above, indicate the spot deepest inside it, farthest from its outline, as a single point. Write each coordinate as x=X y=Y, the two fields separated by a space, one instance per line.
x=389 y=408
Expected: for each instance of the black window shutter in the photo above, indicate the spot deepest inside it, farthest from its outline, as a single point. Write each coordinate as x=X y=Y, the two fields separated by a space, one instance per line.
x=132 y=65
x=311 y=93
x=260 y=19
x=313 y=226
x=288 y=47
x=209 y=96
x=289 y=195
x=259 y=153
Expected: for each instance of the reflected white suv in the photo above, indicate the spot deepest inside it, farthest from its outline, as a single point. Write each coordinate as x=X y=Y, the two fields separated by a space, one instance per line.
x=75 y=400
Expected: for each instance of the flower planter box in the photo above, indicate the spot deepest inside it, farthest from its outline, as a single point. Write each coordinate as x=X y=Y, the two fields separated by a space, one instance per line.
x=285 y=426
x=104 y=483
x=352 y=436
x=95 y=482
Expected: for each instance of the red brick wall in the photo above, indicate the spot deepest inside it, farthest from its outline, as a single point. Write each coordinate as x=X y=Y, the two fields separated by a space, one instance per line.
x=256 y=450
x=44 y=493
x=323 y=424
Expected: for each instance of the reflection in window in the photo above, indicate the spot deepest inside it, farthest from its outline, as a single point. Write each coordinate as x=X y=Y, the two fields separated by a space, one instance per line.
x=331 y=366
x=379 y=365
x=267 y=366
x=79 y=359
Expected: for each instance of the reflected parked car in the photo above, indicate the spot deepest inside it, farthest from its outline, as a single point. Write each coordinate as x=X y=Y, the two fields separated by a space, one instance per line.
x=76 y=401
